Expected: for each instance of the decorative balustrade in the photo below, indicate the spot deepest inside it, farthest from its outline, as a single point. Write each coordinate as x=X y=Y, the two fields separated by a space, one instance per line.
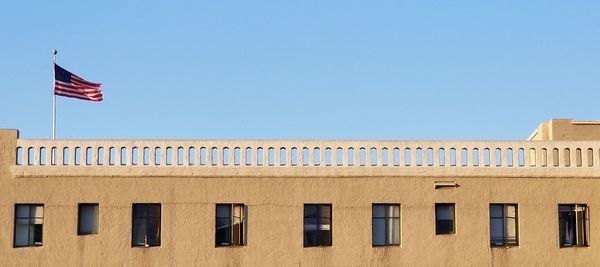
x=363 y=154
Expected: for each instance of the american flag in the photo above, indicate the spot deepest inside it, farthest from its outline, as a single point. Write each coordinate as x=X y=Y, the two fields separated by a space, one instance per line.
x=70 y=85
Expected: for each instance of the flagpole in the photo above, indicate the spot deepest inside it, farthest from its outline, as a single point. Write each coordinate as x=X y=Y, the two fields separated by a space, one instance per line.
x=53 y=95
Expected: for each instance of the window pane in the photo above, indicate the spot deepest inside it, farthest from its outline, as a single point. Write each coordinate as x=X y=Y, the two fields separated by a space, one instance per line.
x=139 y=231
x=325 y=224
x=324 y=238
x=511 y=211
x=378 y=232
x=444 y=227
x=22 y=232
x=310 y=238
x=31 y=235
x=22 y=211
x=37 y=234
x=497 y=230
x=223 y=211
x=310 y=224
x=567 y=228
x=511 y=228
x=581 y=228
x=88 y=219
x=566 y=208
x=310 y=210
x=394 y=231
x=393 y=211
x=378 y=210
x=238 y=210
x=140 y=210
x=444 y=212
x=496 y=211
x=153 y=231
x=223 y=232
x=37 y=211
x=153 y=210
x=238 y=230
x=325 y=211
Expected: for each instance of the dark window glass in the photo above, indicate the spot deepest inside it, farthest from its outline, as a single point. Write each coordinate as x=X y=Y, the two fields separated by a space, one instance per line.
x=573 y=225
x=444 y=218
x=231 y=221
x=87 y=219
x=145 y=225
x=386 y=224
x=317 y=225
x=29 y=222
x=503 y=225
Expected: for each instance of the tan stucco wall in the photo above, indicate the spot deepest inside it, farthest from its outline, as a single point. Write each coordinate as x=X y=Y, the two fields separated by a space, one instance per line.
x=567 y=129
x=275 y=196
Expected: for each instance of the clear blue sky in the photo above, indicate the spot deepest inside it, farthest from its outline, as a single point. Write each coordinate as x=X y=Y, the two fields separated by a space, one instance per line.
x=301 y=69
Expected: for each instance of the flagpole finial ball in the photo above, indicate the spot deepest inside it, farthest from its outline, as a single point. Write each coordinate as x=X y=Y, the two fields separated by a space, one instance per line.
x=54 y=52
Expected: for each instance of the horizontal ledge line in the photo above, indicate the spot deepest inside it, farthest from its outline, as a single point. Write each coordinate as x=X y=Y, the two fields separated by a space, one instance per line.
x=300 y=172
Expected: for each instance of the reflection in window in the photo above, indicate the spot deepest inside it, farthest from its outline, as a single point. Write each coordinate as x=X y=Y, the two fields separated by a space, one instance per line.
x=231 y=221
x=29 y=221
x=317 y=225
x=573 y=225
x=386 y=224
x=444 y=219
x=503 y=225
x=87 y=221
x=146 y=225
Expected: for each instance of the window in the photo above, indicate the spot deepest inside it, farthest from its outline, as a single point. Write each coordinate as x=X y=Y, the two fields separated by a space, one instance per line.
x=87 y=220
x=386 y=224
x=573 y=225
x=231 y=225
x=29 y=222
x=503 y=225
x=317 y=225
x=146 y=225
x=444 y=219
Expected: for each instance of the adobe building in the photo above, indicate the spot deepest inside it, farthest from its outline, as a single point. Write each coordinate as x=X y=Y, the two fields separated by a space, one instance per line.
x=303 y=203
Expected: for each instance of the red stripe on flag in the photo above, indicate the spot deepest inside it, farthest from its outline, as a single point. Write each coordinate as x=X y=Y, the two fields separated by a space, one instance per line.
x=76 y=86
x=92 y=95
x=78 y=97
x=86 y=91
x=76 y=78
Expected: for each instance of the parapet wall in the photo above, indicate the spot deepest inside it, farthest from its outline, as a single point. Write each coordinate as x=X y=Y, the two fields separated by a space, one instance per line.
x=219 y=158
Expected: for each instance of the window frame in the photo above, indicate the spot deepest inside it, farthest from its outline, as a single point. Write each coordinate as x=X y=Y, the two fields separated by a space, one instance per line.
x=453 y=205
x=504 y=218
x=319 y=224
x=29 y=218
x=147 y=218
x=386 y=219
x=244 y=224
x=586 y=226
x=79 y=206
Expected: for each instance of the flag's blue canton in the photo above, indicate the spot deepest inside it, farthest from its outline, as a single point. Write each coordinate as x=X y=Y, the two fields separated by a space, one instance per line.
x=61 y=74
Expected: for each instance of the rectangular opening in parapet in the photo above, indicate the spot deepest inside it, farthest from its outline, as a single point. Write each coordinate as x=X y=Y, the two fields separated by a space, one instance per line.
x=226 y=156
x=351 y=156
x=339 y=156
x=373 y=155
x=271 y=155
x=248 y=156
x=282 y=156
x=237 y=156
x=305 y=156
x=294 y=156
